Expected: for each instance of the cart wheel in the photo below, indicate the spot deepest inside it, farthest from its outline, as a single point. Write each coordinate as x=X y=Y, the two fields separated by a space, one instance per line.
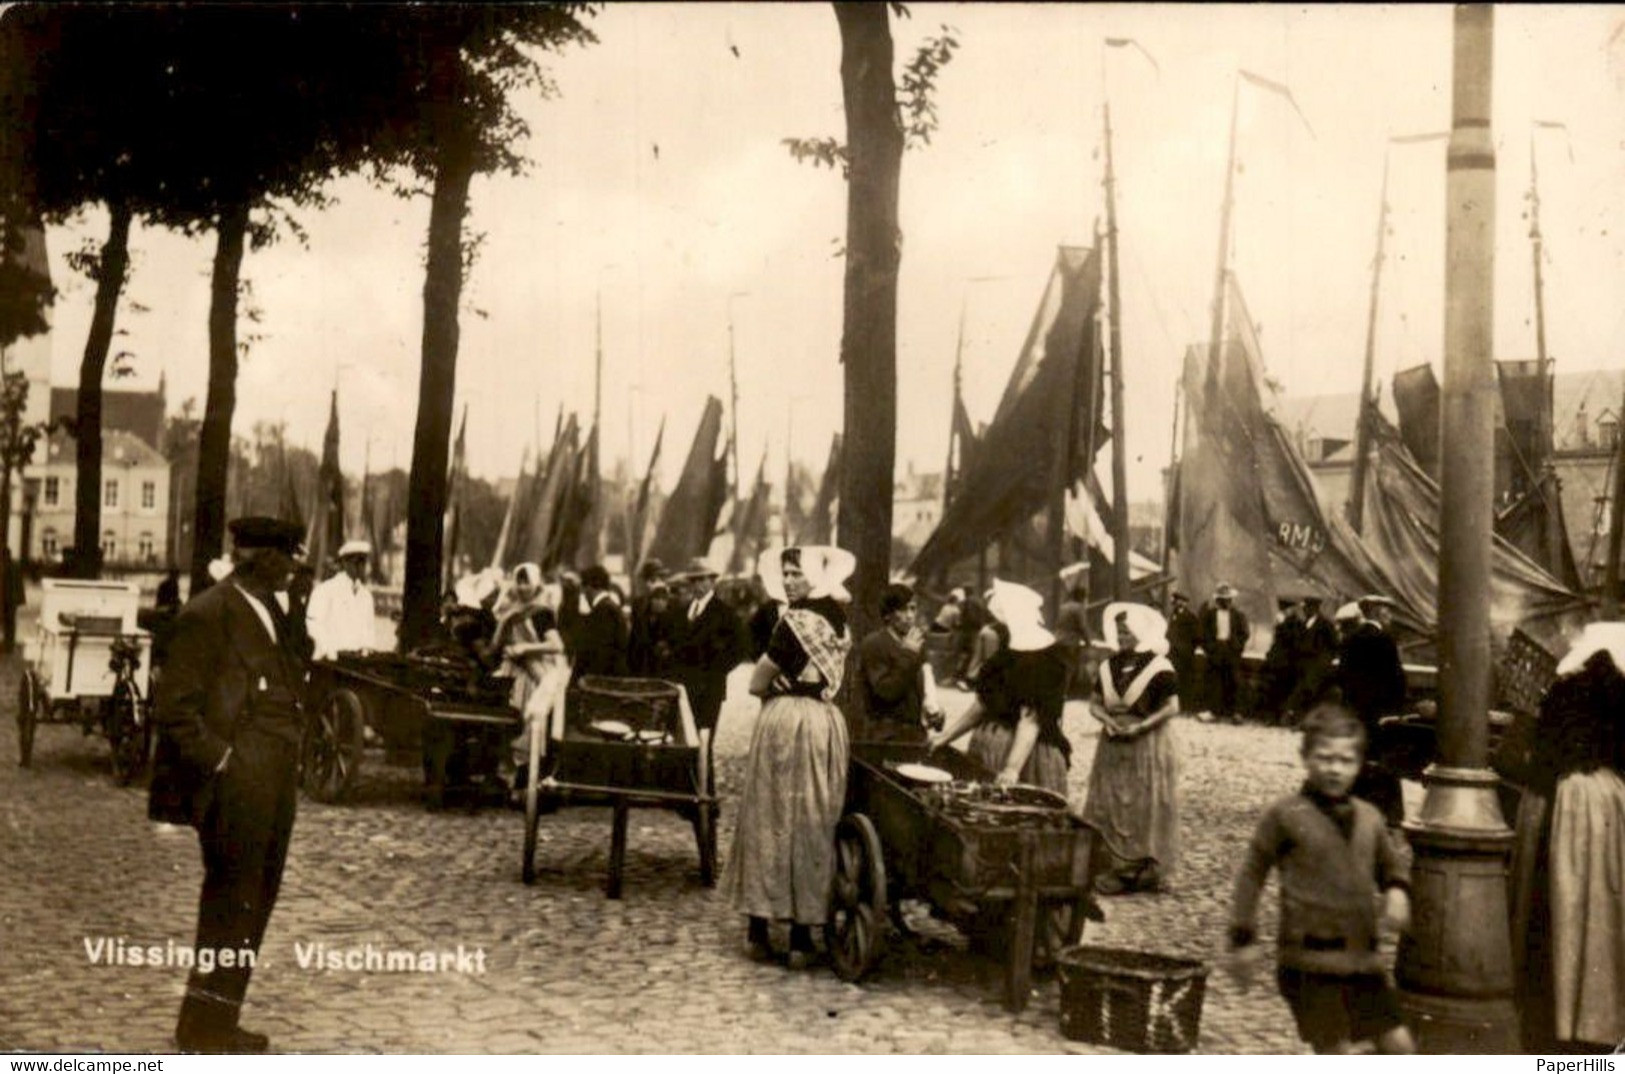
x=127 y=734
x=27 y=716
x=333 y=747
x=857 y=910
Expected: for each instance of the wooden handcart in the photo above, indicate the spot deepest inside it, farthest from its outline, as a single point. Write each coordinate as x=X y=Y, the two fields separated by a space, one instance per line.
x=439 y=711
x=626 y=743
x=899 y=839
x=89 y=665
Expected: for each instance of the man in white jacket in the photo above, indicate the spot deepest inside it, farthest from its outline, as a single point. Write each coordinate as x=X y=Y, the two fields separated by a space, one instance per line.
x=340 y=617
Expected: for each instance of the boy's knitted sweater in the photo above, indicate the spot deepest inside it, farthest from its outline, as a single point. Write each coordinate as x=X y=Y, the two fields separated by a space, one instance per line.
x=1334 y=857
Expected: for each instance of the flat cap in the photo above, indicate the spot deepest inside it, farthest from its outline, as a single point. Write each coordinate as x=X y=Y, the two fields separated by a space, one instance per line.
x=354 y=548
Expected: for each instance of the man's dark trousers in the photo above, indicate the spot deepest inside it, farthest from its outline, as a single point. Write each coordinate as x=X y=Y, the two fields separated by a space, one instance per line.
x=244 y=836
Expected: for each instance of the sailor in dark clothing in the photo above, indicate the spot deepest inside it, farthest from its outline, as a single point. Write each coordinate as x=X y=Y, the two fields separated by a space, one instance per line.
x=649 y=648
x=1372 y=680
x=1317 y=650
x=601 y=633
x=1224 y=637
x=1184 y=638
x=230 y=718
x=1281 y=662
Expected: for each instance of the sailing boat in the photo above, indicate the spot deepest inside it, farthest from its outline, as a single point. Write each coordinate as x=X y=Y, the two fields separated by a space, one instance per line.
x=999 y=497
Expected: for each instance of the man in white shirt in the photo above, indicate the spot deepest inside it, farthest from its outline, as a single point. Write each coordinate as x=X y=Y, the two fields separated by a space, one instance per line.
x=340 y=617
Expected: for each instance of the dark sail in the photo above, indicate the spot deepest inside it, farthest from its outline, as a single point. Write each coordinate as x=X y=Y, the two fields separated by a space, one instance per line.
x=689 y=520
x=1416 y=397
x=1011 y=474
x=820 y=525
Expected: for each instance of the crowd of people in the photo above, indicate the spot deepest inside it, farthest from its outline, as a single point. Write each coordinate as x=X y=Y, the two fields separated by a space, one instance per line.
x=229 y=707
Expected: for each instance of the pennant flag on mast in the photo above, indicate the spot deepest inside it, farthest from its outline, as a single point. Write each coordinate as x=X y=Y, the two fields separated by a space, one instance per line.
x=1280 y=89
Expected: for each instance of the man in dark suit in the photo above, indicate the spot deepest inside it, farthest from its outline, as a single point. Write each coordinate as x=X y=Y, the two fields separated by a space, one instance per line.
x=1224 y=636
x=600 y=646
x=1184 y=638
x=1317 y=650
x=707 y=644
x=1281 y=661
x=230 y=718
x=1372 y=679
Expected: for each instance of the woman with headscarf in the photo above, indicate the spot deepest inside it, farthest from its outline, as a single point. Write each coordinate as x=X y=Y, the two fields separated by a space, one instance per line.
x=527 y=634
x=1020 y=695
x=1133 y=787
x=1568 y=857
x=783 y=858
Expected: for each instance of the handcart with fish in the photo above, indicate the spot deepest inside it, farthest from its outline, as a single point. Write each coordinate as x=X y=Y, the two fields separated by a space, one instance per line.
x=934 y=826
x=628 y=743
x=442 y=711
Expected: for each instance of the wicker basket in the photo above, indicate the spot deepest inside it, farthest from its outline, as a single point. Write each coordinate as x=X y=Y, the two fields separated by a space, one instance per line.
x=641 y=704
x=1131 y=1000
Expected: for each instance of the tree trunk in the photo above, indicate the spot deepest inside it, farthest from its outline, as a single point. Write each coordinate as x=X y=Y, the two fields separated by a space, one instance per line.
x=87 y=507
x=214 y=436
x=874 y=138
x=437 y=385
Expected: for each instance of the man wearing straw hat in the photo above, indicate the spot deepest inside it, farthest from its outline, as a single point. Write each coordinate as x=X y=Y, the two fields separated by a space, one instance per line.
x=1224 y=636
x=705 y=646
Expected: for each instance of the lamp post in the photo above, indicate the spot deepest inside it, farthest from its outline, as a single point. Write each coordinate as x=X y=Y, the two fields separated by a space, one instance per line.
x=1455 y=966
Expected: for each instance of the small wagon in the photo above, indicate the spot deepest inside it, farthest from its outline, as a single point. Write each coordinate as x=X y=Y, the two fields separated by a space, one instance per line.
x=628 y=743
x=980 y=857
x=441 y=711
x=89 y=665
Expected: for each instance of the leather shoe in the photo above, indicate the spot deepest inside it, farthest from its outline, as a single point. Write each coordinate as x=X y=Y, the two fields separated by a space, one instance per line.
x=235 y=1041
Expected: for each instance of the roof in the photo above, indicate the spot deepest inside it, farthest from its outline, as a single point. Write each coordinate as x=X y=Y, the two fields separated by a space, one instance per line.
x=140 y=413
x=118 y=448
x=1597 y=390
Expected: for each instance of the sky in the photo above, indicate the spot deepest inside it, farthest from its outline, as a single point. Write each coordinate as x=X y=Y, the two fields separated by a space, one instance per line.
x=660 y=192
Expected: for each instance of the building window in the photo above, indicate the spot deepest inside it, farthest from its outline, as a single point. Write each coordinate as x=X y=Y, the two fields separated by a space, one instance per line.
x=47 y=543
x=149 y=495
x=110 y=493
x=109 y=547
x=53 y=491
x=1608 y=433
x=144 y=549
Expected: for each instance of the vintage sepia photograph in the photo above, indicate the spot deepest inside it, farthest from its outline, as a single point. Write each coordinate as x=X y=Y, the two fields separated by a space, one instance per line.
x=858 y=528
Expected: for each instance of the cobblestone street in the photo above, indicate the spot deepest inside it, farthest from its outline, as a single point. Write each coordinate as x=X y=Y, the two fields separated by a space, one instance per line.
x=566 y=970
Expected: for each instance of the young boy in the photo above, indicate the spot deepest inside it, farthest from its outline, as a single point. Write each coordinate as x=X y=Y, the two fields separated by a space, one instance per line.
x=1335 y=858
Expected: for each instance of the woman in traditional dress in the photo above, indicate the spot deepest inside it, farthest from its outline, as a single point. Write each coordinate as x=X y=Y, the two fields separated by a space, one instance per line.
x=532 y=651
x=783 y=857
x=1020 y=695
x=1134 y=785
x=1568 y=859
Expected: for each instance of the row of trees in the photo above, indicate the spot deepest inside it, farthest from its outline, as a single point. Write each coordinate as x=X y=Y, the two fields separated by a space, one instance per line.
x=231 y=119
